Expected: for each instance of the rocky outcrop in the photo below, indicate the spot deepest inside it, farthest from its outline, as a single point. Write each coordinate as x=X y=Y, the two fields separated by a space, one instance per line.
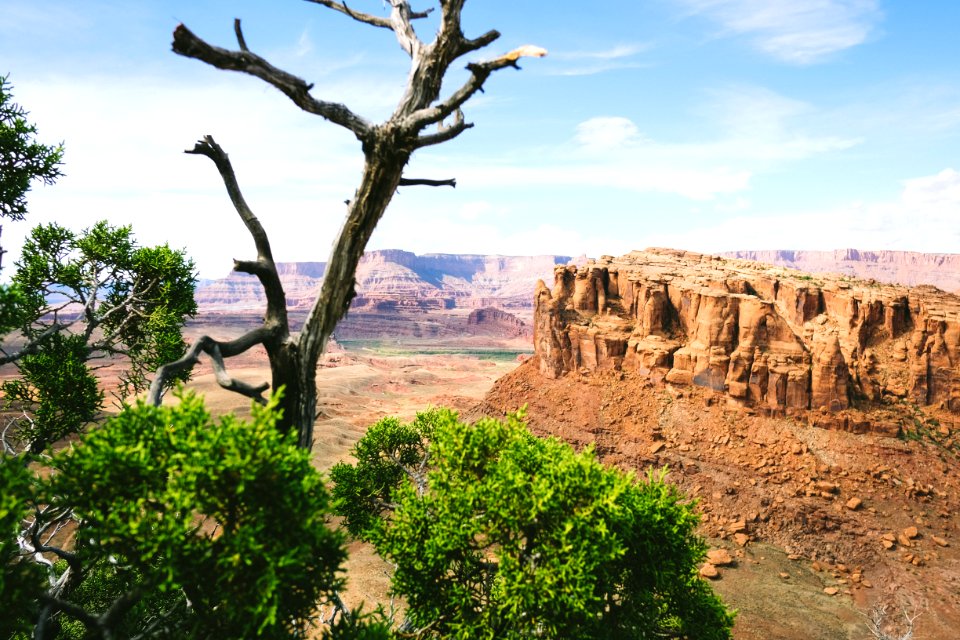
x=493 y=321
x=909 y=268
x=766 y=337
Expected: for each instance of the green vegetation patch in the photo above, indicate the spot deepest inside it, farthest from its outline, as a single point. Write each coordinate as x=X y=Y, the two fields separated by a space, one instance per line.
x=395 y=348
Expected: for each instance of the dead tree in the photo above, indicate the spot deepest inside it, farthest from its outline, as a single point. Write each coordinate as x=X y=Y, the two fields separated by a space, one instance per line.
x=883 y=624
x=422 y=118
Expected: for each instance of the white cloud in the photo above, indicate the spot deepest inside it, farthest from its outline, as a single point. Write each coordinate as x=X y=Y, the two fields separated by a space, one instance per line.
x=34 y=19
x=448 y=234
x=761 y=124
x=124 y=161
x=737 y=204
x=756 y=130
x=606 y=132
x=304 y=44
x=936 y=191
x=923 y=218
x=480 y=210
x=795 y=31
x=638 y=177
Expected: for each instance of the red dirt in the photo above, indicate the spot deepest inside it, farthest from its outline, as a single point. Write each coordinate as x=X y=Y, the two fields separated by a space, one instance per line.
x=784 y=486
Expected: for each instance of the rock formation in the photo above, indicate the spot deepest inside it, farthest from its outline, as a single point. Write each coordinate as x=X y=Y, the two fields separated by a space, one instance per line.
x=766 y=337
x=895 y=267
x=498 y=322
x=394 y=280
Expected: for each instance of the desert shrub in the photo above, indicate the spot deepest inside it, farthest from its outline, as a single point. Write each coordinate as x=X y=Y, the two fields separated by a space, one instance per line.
x=21 y=581
x=225 y=518
x=496 y=533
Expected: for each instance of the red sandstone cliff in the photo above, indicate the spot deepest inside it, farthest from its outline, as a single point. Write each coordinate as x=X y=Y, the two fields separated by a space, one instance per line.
x=494 y=321
x=766 y=337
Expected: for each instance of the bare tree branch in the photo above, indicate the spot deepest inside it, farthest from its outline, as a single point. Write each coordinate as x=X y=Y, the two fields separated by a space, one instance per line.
x=387 y=148
x=468 y=45
x=189 y=45
x=447 y=133
x=883 y=627
x=241 y=41
x=265 y=268
x=119 y=608
x=206 y=344
x=400 y=19
x=480 y=71
x=9 y=449
x=54 y=605
x=33 y=346
x=412 y=182
x=359 y=16
x=230 y=384
x=39 y=547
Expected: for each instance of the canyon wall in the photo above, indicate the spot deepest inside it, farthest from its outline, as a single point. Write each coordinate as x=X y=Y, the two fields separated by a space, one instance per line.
x=394 y=280
x=765 y=337
x=896 y=267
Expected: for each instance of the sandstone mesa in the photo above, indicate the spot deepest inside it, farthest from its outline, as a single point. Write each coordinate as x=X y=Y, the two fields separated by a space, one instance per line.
x=768 y=338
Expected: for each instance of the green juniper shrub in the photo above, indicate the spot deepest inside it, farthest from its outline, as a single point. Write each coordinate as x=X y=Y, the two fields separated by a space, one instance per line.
x=495 y=533
x=21 y=581
x=226 y=516
x=84 y=296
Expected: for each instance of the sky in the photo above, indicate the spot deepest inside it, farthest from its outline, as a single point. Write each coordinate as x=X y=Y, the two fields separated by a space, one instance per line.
x=707 y=125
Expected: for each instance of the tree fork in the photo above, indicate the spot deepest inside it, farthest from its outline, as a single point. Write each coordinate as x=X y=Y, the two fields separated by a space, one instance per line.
x=387 y=148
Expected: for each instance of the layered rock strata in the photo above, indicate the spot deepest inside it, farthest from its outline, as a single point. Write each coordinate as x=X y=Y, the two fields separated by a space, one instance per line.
x=498 y=322
x=393 y=280
x=766 y=337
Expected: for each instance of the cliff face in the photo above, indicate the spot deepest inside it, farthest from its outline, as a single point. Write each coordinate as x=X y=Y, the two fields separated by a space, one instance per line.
x=397 y=280
x=497 y=322
x=900 y=267
x=766 y=337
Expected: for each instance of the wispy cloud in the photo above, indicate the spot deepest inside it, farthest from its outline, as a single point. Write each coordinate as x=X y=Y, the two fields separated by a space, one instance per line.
x=753 y=131
x=941 y=190
x=760 y=124
x=613 y=53
x=590 y=62
x=130 y=167
x=795 y=31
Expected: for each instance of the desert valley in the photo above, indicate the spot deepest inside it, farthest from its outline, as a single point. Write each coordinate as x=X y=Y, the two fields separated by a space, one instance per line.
x=812 y=416
x=489 y=415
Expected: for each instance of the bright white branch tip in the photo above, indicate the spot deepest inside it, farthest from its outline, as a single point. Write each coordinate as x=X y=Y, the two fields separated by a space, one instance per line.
x=526 y=51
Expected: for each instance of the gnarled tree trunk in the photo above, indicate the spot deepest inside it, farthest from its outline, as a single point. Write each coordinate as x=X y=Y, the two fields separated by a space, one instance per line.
x=387 y=148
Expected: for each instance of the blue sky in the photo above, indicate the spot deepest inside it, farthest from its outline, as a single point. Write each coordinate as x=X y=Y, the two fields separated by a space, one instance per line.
x=707 y=125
